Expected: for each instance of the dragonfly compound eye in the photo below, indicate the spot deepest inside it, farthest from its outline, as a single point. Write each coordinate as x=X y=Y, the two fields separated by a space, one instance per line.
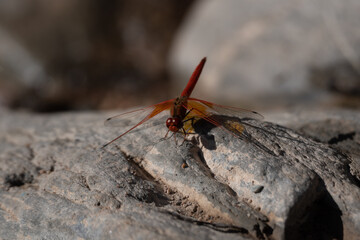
x=173 y=124
x=168 y=122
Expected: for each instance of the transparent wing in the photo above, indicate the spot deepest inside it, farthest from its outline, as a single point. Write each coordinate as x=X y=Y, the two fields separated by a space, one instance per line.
x=126 y=118
x=227 y=118
x=209 y=108
x=144 y=114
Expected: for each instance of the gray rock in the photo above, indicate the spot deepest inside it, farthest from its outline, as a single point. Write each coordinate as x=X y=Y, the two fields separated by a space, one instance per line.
x=265 y=181
x=338 y=128
x=272 y=50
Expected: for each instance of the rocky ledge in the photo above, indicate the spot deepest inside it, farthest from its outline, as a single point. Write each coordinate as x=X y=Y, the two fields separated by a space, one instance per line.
x=296 y=180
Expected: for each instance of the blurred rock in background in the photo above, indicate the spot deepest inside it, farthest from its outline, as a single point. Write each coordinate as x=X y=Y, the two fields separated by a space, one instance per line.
x=63 y=55
x=69 y=55
x=273 y=53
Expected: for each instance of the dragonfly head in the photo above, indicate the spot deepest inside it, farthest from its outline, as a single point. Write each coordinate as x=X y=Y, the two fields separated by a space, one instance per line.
x=174 y=124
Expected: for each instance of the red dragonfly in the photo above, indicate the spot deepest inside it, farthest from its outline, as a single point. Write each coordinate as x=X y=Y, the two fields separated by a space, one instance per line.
x=184 y=110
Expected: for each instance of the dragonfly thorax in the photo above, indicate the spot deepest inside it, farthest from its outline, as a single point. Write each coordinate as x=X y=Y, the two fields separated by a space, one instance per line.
x=174 y=124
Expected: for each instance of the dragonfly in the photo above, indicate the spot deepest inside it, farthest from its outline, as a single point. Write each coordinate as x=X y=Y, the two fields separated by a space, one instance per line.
x=185 y=110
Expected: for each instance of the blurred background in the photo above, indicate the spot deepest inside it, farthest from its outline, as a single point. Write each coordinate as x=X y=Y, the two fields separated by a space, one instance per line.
x=86 y=55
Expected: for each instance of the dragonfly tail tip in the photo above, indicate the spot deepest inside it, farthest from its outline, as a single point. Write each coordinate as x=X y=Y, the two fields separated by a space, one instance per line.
x=104 y=146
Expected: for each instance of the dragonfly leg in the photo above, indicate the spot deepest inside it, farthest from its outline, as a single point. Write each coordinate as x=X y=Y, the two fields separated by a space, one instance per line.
x=183 y=129
x=188 y=112
x=190 y=119
x=185 y=133
x=192 y=123
x=167 y=133
x=175 y=139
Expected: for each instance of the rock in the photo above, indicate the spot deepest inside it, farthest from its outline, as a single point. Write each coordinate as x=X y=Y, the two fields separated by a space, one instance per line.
x=282 y=52
x=265 y=182
x=338 y=128
x=54 y=56
x=339 y=77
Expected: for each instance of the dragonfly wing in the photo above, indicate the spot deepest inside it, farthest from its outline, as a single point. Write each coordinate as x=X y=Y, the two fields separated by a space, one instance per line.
x=140 y=113
x=212 y=108
x=210 y=112
x=198 y=110
x=144 y=113
x=121 y=119
x=221 y=116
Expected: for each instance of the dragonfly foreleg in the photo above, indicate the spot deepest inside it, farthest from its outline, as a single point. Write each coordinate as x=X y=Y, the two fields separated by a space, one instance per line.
x=166 y=133
x=192 y=122
x=187 y=113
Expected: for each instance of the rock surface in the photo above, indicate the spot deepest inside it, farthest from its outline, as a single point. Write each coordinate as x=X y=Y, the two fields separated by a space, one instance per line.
x=273 y=50
x=268 y=182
